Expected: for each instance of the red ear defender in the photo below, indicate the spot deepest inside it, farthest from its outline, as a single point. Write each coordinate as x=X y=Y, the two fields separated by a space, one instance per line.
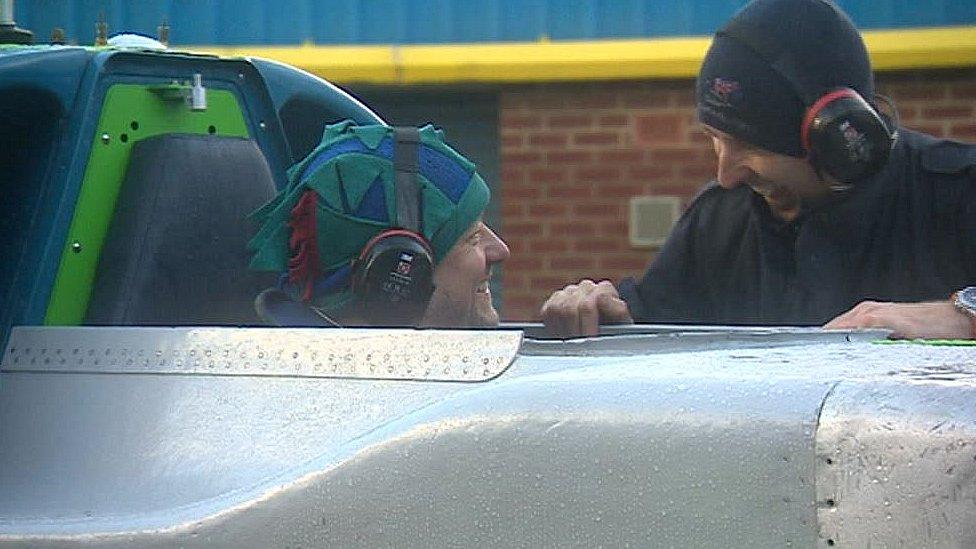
x=845 y=137
x=393 y=278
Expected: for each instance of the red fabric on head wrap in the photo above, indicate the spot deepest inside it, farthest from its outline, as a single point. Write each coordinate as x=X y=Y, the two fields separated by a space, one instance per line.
x=303 y=263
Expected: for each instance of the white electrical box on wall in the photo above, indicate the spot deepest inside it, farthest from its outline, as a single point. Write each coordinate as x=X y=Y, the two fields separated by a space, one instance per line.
x=651 y=219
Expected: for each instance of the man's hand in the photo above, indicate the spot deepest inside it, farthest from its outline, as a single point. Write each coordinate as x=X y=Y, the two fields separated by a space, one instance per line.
x=929 y=320
x=579 y=309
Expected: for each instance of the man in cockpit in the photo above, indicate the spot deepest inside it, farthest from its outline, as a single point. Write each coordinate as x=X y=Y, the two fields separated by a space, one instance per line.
x=379 y=226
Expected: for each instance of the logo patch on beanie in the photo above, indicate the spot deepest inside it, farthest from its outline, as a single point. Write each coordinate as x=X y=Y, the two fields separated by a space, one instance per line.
x=723 y=92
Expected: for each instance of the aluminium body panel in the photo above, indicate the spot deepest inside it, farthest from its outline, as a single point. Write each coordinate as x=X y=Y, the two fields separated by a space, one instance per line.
x=707 y=444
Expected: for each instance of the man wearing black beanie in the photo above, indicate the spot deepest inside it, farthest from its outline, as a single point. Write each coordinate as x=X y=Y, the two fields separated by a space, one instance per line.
x=822 y=210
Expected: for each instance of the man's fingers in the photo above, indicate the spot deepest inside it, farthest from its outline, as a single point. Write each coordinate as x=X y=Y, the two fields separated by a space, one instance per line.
x=614 y=310
x=579 y=309
x=927 y=320
x=558 y=312
x=872 y=314
x=858 y=317
x=589 y=315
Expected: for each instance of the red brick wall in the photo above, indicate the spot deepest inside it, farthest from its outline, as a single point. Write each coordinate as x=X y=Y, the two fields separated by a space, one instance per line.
x=573 y=154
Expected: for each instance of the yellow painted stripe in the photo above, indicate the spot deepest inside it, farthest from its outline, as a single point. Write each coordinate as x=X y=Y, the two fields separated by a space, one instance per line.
x=544 y=61
x=951 y=47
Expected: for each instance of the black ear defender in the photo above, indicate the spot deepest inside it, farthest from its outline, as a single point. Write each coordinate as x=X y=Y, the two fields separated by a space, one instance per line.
x=394 y=273
x=843 y=135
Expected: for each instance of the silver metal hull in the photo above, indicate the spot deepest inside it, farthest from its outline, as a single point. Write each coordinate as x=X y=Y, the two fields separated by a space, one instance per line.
x=744 y=438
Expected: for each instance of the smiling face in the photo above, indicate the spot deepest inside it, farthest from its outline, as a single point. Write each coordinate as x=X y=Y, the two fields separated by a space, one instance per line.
x=461 y=297
x=783 y=181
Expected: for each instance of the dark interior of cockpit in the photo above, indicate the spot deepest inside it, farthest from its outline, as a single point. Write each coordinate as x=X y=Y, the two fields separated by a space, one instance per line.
x=30 y=120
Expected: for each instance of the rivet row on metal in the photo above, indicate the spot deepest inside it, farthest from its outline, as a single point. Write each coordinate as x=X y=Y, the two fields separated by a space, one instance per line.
x=443 y=355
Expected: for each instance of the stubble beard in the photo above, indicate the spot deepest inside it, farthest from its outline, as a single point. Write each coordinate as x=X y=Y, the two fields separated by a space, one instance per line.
x=444 y=312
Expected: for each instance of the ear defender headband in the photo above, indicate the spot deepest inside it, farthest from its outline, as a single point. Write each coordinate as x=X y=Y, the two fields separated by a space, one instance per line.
x=393 y=276
x=842 y=134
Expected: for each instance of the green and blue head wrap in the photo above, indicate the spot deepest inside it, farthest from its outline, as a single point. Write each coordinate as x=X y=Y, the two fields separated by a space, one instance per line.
x=342 y=195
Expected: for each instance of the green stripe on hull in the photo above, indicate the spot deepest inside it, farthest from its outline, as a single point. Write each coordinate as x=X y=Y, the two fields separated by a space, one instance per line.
x=129 y=114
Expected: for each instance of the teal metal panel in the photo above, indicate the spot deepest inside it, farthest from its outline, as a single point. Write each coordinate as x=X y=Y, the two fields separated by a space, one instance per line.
x=221 y=22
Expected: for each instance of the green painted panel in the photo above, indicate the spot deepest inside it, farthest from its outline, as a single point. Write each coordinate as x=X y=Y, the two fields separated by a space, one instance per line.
x=130 y=113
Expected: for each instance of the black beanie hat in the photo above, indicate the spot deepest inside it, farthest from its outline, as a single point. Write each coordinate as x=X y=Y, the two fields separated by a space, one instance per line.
x=741 y=93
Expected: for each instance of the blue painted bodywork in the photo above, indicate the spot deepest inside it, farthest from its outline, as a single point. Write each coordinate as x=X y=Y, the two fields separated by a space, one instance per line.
x=68 y=86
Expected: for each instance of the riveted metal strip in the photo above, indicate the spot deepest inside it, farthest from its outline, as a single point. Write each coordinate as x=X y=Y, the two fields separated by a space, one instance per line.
x=434 y=355
x=896 y=463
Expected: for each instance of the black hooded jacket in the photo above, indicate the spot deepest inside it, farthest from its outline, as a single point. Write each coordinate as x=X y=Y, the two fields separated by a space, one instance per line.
x=907 y=234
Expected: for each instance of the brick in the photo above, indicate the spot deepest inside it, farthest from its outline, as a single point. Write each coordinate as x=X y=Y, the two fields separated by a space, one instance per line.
x=679 y=155
x=918 y=91
x=522 y=294
x=509 y=121
x=512 y=176
x=595 y=138
x=613 y=120
x=965 y=90
x=684 y=98
x=620 y=190
x=518 y=246
x=570 y=121
x=548 y=283
x=520 y=158
x=549 y=140
x=547 y=175
x=511 y=211
x=523 y=263
x=622 y=156
x=514 y=282
x=546 y=100
x=684 y=190
x=592 y=101
x=936 y=130
x=548 y=210
x=650 y=173
x=965 y=132
x=659 y=128
x=907 y=114
x=511 y=141
x=519 y=308
x=958 y=111
x=646 y=99
x=615 y=228
x=548 y=245
x=598 y=174
x=569 y=157
x=628 y=262
x=520 y=192
x=697 y=171
x=573 y=263
x=571 y=191
x=598 y=245
x=597 y=210
x=568 y=228
x=520 y=229
x=697 y=138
